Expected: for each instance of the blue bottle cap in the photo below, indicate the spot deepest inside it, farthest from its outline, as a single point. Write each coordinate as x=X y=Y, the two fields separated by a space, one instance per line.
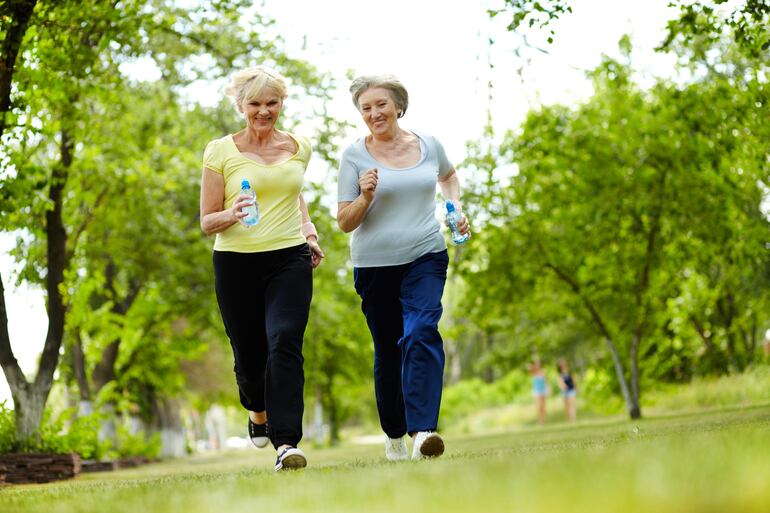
x=450 y=207
x=245 y=184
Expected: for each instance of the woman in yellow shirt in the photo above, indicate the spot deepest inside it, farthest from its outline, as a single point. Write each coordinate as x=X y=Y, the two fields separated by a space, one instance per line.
x=263 y=271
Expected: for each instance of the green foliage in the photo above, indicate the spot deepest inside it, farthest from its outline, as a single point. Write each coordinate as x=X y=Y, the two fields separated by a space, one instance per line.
x=7 y=429
x=709 y=22
x=138 y=286
x=136 y=444
x=598 y=392
x=465 y=397
x=65 y=433
x=60 y=434
x=633 y=223
x=745 y=389
x=534 y=13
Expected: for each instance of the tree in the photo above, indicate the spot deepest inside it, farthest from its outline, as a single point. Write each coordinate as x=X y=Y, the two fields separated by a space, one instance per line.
x=615 y=202
x=61 y=96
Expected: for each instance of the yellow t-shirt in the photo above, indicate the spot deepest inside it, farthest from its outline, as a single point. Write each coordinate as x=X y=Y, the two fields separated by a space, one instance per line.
x=277 y=187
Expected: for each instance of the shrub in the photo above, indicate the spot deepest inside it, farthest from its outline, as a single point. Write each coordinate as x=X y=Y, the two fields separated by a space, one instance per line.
x=137 y=444
x=7 y=429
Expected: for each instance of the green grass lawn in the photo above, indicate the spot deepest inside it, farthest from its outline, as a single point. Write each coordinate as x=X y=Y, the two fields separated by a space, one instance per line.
x=716 y=461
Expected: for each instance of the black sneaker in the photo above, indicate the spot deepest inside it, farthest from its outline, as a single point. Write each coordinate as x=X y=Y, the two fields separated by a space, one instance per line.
x=290 y=458
x=258 y=434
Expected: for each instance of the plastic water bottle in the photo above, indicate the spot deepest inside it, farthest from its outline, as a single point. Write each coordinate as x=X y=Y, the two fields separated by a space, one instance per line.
x=452 y=218
x=252 y=213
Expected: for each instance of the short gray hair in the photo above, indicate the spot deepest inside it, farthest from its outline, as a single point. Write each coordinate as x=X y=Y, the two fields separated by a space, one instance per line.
x=396 y=89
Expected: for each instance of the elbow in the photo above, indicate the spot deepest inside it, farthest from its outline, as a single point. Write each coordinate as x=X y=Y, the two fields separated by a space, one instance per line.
x=345 y=225
x=206 y=228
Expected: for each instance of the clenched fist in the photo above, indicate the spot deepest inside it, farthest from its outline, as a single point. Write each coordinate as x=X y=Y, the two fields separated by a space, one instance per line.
x=368 y=183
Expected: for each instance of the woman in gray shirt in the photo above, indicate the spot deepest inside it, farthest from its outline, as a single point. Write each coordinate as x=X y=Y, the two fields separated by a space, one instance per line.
x=386 y=195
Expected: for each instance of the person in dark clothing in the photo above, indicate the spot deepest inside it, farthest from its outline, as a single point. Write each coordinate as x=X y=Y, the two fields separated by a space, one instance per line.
x=568 y=390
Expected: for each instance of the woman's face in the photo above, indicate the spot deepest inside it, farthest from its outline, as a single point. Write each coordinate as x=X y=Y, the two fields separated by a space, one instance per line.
x=262 y=111
x=378 y=110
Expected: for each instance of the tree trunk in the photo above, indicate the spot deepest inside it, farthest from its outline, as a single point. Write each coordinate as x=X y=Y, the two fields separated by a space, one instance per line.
x=634 y=410
x=621 y=378
x=18 y=12
x=79 y=369
x=751 y=340
x=30 y=398
x=331 y=407
x=455 y=362
x=318 y=417
x=104 y=372
x=488 y=372
x=85 y=404
x=28 y=411
x=167 y=420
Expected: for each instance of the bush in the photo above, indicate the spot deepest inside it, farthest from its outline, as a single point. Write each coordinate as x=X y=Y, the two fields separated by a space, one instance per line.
x=467 y=396
x=597 y=392
x=136 y=444
x=750 y=387
x=66 y=433
x=7 y=429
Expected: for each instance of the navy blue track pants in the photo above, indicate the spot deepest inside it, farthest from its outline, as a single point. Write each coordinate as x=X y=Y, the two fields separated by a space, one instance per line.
x=402 y=305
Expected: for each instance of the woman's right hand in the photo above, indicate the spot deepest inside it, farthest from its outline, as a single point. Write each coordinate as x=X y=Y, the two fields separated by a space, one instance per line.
x=368 y=183
x=244 y=200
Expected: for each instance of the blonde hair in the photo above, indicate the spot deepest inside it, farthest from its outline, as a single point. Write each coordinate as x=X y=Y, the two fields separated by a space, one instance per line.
x=249 y=83
x=397 y=91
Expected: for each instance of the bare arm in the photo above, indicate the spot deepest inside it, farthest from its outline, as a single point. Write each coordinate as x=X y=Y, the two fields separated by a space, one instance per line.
x=305 y=214
x=312 y=238
x=450 y=188
x=350 y=214
x=214 y=217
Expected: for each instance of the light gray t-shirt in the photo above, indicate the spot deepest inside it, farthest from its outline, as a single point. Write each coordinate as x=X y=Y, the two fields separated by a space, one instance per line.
x=400 y=225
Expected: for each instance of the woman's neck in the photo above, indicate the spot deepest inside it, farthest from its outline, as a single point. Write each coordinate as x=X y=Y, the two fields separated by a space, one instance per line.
x=258 y=138
x=390 y=138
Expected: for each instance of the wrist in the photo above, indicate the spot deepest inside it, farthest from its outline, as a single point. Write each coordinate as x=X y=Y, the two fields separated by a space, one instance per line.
x=308 y=230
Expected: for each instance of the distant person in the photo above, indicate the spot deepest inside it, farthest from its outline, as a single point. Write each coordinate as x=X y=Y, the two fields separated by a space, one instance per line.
x=539 y=389
x=387 y=198
x=263 y=273
x=568 y=390
x=766 y=346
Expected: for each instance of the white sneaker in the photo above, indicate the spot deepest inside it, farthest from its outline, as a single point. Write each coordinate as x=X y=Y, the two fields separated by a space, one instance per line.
x=290 y=458
x=395 y=449
x=427 y=444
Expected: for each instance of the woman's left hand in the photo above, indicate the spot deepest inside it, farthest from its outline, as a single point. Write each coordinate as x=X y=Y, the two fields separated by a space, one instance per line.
x=316 y=254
